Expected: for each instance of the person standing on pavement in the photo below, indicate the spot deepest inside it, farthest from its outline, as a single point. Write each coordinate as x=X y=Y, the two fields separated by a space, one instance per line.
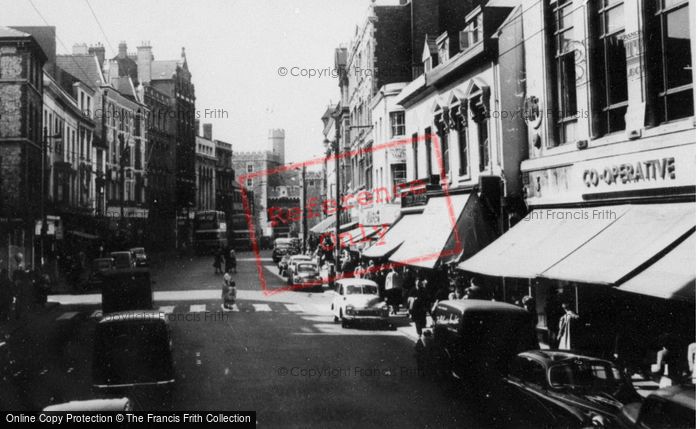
x=418 y=305
x=232 y=258
x=217 y=261
x=227 y=261
x=566 y=321
x=22 y=283
x=393 y=289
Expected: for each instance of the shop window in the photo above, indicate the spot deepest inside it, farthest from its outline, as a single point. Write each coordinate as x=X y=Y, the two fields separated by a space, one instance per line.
x=398 y=123
x=565 y=53
x=670 y=64
x=398 y=174
x=610 y=67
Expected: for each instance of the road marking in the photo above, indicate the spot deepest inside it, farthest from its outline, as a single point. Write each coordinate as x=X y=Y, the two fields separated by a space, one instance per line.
x=294 y=307
x=96 y=314
x=274 y=270
x=198 y=308
x=67 y=316
x=261 y=307
x=167 y=309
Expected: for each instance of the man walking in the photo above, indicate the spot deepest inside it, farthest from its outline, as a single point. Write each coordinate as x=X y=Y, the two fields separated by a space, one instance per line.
x=393 y=287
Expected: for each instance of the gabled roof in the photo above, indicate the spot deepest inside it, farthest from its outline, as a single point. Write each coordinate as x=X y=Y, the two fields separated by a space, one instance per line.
x=125 y=86
x=429 y=47
x=164 y=69
x=84 y=68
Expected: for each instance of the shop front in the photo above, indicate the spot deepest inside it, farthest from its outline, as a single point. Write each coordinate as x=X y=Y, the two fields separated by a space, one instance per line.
x=612 y=237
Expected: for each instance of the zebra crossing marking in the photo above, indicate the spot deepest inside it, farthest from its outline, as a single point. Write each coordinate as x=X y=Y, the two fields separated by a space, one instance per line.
x=198 y=308
x=294 y=307
x=67 y=316
x=261 y=307
x=167 y=309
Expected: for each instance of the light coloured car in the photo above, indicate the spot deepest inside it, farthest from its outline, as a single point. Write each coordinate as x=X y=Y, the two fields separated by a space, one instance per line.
x=358 y=300
x=306 y=273
x=291 y=265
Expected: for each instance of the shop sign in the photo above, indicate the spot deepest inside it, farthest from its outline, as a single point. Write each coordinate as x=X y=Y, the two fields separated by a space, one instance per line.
x=629 y=172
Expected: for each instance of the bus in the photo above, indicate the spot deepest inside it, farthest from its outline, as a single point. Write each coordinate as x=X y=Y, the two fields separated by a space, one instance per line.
x=210 y=231
x=240 y=234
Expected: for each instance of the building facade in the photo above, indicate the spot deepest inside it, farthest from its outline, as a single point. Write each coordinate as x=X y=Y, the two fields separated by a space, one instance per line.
x=21 y=143
x=206 y=166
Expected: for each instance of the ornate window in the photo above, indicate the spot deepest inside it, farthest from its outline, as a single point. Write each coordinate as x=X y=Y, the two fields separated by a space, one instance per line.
x=564 y=57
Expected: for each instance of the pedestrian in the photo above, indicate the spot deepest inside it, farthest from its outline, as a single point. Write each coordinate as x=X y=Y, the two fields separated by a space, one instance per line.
x=6 y=290
x=232 y=258
x=228 y=291
x=217 y=262
x=22 y=283
x=418 y=305
x=393 y=289
x=528 y=303
x=476 y=290
x=227 y=261
x=564 y=336
x=360 y=270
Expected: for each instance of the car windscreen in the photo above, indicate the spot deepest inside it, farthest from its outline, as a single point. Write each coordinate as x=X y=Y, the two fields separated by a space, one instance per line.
x=306 y=268
x=583 y=373
x=131 y=352
x=361 y=290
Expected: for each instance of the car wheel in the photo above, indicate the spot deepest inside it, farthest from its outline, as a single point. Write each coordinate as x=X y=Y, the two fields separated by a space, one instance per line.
x=343 y=322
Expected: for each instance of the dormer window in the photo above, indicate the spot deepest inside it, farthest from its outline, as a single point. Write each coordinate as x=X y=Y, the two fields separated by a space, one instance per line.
x=443 y=46
x=473 y=31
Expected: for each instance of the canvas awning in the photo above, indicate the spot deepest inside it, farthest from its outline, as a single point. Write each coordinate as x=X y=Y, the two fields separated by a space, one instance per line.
x=598 y=245
x=393 y=238
x=362 y=234
x=450 y=227
x=325 y=224
x=671 y=277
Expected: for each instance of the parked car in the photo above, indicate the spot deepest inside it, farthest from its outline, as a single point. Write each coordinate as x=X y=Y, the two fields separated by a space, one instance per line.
x=111 y=404
x=98 y=268
x=124 y=290
x=281 y=247
x=124 y=260
x=293 y=260
x=358 y=300
x=141 y=256
x=669 y=408
x=558 y=383
x=132 y=357
x=306 y=273
x=282 y=265
x=474 y=341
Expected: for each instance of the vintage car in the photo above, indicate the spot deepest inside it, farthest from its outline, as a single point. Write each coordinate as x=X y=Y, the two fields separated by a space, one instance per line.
x=124 y=259
x=306 y=273
x=474 y=340
x=358 y=300
x=282 y=247
x=293 y=260
x=98 y=268
x=552 y=382
x=671 y=407
x=141 y=256
x=132 y=357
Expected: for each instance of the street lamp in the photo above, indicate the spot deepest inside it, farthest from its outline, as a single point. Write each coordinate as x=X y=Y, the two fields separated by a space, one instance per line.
x=42 y=239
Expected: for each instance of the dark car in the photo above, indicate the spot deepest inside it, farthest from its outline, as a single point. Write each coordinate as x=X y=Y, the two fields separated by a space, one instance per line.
x=283 y=246
x=132 y=357
x=98 y=268
x=474 y=340
x=559 y=383
x=124 y=290
x=123 y=259
x=141 y=256
x=669 y=408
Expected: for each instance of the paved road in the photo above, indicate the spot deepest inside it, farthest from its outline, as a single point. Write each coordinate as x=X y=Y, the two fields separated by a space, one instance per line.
x=278 y=354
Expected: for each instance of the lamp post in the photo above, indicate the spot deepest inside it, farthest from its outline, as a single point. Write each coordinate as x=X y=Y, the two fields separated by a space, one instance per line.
x=42 y=239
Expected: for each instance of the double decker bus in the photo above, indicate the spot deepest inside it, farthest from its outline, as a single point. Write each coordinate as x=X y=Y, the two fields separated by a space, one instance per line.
x=210 y=231
x=239 y=234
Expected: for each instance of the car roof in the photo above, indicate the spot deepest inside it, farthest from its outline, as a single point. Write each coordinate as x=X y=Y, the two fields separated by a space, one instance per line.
x=300 y=257
x=681 y=395
x=133 y=249
x=133 y=316
x=551 y=357
x=112 y=404
x=121 y=252
x=356 y=282
x=482 y=305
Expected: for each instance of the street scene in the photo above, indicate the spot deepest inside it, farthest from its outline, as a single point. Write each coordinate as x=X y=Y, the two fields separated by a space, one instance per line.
x=384 y=213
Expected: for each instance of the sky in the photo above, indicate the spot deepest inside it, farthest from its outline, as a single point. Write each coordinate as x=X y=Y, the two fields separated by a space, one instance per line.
x=234 y=48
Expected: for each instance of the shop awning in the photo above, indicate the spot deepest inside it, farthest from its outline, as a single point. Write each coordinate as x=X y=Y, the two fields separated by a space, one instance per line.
x=84 y=235
x=600 y=245
x=322 y=226
x=540 y=240
x=361 y=235
x=640 y=234
x=393 y=238
x=671 y=277
x=450 y=227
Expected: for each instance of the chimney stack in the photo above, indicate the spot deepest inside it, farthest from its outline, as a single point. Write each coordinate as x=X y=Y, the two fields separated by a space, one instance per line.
x=99 y=51
x=80 y=49
x=122 y=50
x=144 y=59
x=206 y=131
